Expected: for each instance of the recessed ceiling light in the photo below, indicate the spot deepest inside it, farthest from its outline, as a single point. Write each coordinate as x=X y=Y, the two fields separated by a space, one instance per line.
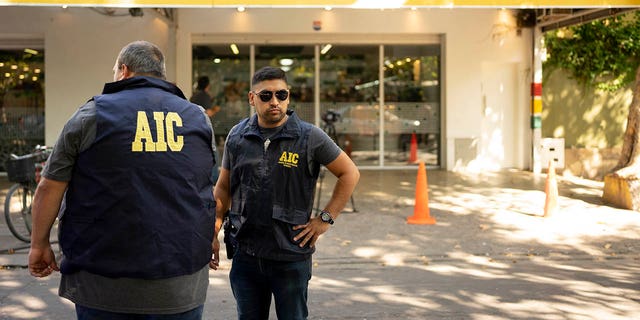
x=234 y=48
x=325 y=48
x=286 y=62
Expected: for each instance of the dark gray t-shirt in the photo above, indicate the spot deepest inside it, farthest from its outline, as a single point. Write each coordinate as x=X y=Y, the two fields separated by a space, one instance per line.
x=321 y=149
x=124 y=295
x=202 y=99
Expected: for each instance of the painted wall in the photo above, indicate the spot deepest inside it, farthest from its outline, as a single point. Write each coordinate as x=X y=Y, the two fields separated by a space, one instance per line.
x=471 y=37
x=591 y=122
x=602 y=115
x=81 y=46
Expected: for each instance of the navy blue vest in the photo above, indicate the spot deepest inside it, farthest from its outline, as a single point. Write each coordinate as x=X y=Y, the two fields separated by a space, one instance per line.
x=140 y=203
x=272 y=188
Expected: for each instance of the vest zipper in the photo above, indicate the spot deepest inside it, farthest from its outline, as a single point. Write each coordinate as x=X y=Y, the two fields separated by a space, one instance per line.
x=266 y=144
x=265 y=157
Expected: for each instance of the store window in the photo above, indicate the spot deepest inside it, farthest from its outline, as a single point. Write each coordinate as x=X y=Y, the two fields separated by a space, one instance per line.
x=227 y=67
x=348 y=98
x=412 y=104
x=349 y=89
x=21 y=101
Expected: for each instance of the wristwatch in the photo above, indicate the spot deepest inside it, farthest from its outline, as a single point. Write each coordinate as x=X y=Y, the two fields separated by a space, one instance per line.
x=325 y=216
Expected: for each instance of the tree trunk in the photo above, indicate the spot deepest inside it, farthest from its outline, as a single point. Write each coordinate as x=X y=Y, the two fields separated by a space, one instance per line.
x=622 y=185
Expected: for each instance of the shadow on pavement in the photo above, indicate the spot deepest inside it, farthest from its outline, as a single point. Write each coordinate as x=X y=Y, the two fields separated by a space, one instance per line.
x=489 y=256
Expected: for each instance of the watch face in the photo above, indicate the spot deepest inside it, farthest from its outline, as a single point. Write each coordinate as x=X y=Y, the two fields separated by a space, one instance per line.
x=326 y=217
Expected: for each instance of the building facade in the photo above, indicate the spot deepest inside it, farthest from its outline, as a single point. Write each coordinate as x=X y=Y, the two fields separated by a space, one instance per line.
x=450 y=87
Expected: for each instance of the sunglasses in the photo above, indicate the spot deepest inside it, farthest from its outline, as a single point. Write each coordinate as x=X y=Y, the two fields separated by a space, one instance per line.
x=266 y=96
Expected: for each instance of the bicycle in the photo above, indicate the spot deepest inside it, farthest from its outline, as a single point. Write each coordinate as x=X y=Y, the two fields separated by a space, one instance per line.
x=25 y=172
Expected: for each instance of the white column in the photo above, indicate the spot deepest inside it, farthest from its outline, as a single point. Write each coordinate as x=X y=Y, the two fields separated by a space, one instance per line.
x=536 y=100
x=316 y=85
x=381 y=107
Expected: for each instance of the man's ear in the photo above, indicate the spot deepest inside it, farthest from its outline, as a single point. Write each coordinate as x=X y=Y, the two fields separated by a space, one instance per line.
x=250 y=96
x=126 y=73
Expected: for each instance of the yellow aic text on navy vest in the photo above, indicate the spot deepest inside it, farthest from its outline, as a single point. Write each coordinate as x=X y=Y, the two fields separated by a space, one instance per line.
x=289 y=159
x=165 y=133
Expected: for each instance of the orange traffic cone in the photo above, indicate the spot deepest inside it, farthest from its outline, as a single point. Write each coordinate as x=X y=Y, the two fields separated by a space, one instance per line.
x=551 y=190
x=421 y=209
x=413 y=156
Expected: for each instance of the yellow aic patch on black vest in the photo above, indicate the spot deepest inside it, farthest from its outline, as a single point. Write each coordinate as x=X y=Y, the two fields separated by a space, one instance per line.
x=289 y=159
x=165 y=128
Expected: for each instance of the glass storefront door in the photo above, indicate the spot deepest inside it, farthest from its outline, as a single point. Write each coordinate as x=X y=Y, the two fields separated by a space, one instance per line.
x=412 y=104
x=349 y=99
x=345 y=93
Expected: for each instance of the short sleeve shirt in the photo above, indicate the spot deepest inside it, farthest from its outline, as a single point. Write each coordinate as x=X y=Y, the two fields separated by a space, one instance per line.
x=322 y=148
x=123 y=294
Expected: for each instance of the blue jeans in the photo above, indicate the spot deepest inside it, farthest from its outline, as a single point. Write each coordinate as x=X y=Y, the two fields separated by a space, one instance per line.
x=85 y=313
x=254 y=280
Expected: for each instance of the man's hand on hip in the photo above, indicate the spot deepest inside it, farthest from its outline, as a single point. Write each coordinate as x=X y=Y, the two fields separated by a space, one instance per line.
x=311 y=231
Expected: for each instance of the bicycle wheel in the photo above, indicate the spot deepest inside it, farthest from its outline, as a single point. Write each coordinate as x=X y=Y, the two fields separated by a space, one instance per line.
x=17 y=211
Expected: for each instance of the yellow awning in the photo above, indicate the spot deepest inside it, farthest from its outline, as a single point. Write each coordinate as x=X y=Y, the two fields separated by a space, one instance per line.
x=332 y=3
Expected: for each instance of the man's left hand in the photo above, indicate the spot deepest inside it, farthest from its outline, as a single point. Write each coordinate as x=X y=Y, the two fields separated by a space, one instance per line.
x=311 y=231
x=42 y=261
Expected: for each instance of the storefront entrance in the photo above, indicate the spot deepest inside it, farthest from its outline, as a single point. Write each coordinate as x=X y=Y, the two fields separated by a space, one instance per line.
x=341 y=88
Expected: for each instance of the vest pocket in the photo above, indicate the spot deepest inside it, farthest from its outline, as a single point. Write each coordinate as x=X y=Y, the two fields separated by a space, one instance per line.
x=284 y=221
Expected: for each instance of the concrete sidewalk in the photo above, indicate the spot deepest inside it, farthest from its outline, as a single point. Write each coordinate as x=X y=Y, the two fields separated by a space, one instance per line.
x=489 y=256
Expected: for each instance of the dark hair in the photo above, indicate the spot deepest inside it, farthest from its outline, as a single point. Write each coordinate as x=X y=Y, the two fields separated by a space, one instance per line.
x=203 y=82
x=143 y=58
x=268 y=73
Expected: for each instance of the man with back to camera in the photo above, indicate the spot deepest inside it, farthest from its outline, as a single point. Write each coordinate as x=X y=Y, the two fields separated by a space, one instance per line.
x=131 y=171
x=270 y=166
